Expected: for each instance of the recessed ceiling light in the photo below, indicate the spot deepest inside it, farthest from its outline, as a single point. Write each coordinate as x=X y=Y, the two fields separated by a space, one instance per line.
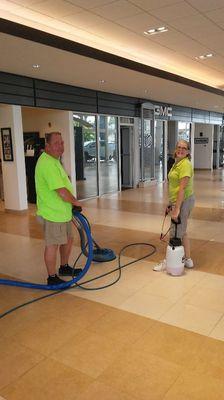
x=36 y=66
x=204 y=56
x=150 y=31
x=154 y=31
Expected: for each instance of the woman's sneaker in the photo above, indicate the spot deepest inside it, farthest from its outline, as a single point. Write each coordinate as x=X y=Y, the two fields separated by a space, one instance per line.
x=160 y=266
x=188 y=263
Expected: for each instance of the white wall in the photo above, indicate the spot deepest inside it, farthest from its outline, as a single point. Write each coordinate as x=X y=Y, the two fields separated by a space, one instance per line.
x=203 y=152
x=14 y=175
x=44 y=121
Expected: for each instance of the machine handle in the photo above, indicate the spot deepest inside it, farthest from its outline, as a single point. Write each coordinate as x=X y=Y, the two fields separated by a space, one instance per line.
x=77 y=208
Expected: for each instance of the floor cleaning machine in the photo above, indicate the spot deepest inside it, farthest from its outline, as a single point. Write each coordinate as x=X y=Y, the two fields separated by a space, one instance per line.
x=100 y=254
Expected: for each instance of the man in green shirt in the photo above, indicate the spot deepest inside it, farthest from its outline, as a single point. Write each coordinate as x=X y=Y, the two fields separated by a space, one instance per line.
x=54 y=207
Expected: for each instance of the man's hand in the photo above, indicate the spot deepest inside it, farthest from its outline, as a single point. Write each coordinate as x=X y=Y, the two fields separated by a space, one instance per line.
x=77 y=208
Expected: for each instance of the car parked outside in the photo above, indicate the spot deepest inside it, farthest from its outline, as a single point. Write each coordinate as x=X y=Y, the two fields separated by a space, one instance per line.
x=90 y=150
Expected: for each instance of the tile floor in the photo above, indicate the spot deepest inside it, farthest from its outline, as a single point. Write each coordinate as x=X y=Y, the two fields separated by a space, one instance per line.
x=149 y=336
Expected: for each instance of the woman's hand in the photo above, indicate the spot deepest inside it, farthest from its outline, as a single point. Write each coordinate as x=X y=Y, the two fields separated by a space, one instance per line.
x=175 y=213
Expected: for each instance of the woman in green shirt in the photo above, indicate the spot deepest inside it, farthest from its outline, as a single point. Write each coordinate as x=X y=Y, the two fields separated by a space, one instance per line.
x=181 y=198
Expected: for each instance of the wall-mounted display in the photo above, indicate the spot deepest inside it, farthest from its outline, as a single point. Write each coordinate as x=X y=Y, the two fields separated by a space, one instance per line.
x=7 y=149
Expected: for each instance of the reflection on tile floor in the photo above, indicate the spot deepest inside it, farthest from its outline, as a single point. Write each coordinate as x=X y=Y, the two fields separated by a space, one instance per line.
x=149 y=336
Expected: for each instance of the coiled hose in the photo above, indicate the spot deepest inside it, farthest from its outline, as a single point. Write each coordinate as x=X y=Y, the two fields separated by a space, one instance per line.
x=82 y=221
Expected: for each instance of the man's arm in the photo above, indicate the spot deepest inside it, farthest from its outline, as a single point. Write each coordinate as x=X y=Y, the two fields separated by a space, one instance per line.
x=67 y=196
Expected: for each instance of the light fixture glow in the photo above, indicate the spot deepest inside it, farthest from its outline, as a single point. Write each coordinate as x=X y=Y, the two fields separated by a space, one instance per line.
x=204 y=56
x=36 y=66
x=102 y=81
x=154 y=31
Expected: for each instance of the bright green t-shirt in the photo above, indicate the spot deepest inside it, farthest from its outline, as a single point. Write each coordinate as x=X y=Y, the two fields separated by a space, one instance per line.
x=49 y=176
x=178 y=171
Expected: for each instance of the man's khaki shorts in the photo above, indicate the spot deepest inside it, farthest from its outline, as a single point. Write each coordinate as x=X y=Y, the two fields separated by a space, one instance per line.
x=56 y=232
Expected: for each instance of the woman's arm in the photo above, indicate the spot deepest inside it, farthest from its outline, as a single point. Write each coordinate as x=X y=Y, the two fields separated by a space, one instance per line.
x=180 y=198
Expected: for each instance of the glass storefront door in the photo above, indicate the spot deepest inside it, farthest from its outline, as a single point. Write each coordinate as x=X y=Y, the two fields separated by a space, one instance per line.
x=85 y=131
x=184 y=130
x=159 y=150
x=108 y=154
x=147 y=143
x=96 y=155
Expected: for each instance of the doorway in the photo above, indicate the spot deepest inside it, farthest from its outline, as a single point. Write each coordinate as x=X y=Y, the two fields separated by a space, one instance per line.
x=160 y=153
x=126 y=148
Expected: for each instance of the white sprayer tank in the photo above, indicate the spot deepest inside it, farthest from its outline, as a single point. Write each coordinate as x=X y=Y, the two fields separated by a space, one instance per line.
x=175 y=258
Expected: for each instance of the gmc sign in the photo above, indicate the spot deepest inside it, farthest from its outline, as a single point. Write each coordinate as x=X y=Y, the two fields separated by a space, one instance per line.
x=163 y=111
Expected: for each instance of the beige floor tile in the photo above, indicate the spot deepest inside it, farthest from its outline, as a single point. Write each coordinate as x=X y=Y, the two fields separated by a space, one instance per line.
x=90 y=353
x=147 y=305
x=105 y=352
x=192 y=386
x=173 y=287
x=141 y=375
x=73 y=309
x=24 y=260
x=21 y=319
x=111 y=296
x=190 y=317
x=99 y=391
x=171 y=344
x=47 y=335
x=213 y=281
x=206 y=298
x=210 y=358
x=120 y=326
x=203 y=355
x=48 y=380
x=218 y=331
x=15 y=361
x=13 y=296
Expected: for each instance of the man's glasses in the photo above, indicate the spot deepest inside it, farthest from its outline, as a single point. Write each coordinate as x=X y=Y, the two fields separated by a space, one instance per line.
x=181 y=148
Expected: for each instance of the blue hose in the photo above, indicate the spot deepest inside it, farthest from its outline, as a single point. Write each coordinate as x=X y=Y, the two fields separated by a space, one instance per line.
x=67 y=284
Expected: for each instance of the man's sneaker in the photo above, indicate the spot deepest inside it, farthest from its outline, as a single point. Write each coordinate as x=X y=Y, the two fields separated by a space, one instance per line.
x=160 y=266
x=54 y=280
x=66 y=270
x=188 y=263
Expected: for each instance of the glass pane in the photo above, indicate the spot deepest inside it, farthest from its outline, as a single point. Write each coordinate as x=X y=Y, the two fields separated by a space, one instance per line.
x=85 y=155
x=159 y=151
x=184 y=131
x=108 y=170
x=148 y=159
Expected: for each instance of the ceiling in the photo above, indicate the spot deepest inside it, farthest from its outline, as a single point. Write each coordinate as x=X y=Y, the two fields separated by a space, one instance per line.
x=195 y=27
